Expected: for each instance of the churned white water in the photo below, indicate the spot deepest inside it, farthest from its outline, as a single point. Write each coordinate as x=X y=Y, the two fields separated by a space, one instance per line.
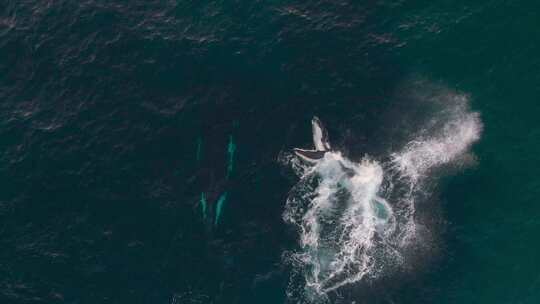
x=355 y=219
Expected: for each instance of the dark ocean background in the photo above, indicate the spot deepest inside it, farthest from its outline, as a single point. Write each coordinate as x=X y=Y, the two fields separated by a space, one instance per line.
x=116 y=115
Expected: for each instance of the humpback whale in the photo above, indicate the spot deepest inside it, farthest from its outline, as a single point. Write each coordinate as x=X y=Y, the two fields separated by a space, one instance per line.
x=320 y=141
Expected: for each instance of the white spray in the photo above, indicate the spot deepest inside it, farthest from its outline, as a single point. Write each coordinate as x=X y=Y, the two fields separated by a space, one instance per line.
x=348 y=230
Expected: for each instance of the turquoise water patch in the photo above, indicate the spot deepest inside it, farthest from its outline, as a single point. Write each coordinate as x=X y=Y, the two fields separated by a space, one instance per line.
x=219 y=207
x=381 y=211
x=231 y=149
x=204 y=205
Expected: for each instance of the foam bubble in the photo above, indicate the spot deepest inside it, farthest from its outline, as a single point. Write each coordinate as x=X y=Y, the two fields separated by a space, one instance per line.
x=356 y=219
x=339 y=224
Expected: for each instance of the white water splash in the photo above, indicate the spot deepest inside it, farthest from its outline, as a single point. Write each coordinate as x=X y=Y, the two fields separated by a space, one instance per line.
x=460 y=129
x=349 y=232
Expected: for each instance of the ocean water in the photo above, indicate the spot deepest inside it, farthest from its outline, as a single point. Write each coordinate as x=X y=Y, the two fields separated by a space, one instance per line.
x=146 y=152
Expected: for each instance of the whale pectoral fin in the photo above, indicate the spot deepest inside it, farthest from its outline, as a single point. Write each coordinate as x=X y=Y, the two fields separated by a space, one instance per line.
x=320 y=141
x=309 y=155
x=320 y=135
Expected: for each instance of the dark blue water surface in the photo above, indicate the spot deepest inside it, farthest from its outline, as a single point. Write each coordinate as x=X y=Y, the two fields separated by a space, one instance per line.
x=117 y=116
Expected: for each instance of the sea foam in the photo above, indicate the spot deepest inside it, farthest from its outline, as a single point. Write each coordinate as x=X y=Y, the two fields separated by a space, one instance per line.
x=356 y=219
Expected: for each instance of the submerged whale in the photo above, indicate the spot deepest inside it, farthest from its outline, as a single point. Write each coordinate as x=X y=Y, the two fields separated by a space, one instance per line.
x=320 y=141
